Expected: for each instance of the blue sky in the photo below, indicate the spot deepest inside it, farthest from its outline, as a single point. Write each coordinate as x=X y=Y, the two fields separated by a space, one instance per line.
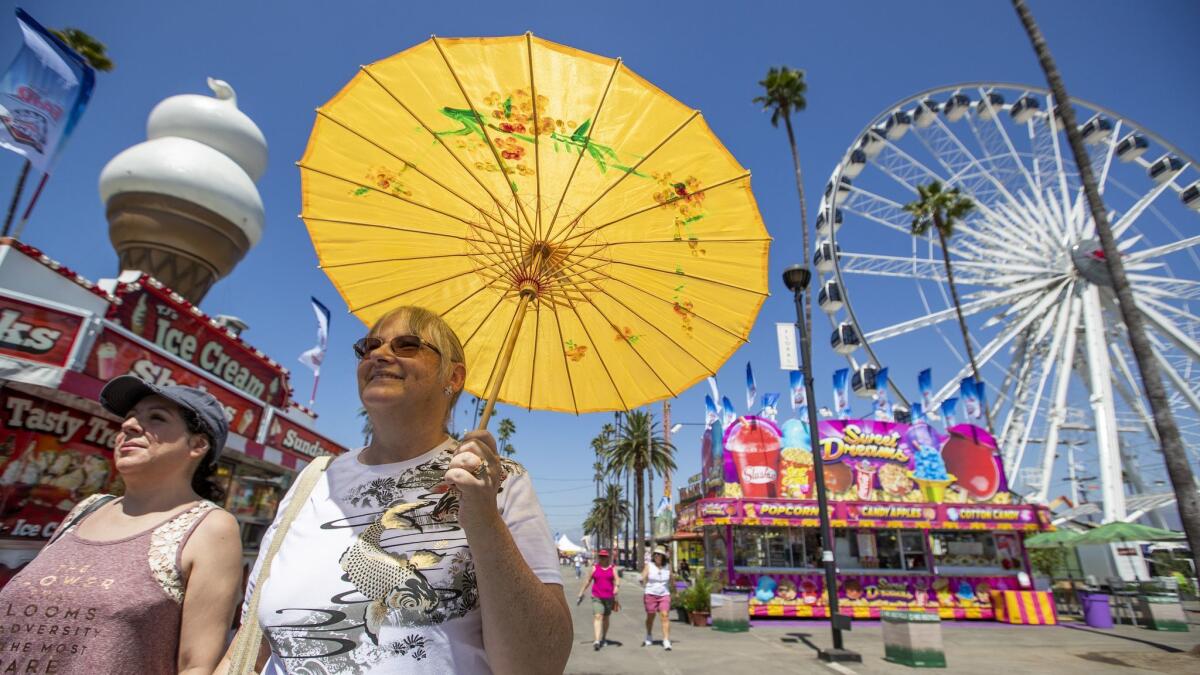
x=284 y=59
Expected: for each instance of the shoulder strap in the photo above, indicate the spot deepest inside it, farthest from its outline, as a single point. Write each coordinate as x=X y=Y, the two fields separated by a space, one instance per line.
x=82 y=510
x=249 y=637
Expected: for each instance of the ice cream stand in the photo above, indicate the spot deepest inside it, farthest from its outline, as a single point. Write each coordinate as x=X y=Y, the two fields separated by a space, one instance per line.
x=922 y=517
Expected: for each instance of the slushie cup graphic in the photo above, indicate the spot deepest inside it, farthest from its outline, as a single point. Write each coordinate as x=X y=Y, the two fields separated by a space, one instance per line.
x=866 y=476
x=106 y=360
x=754 y=445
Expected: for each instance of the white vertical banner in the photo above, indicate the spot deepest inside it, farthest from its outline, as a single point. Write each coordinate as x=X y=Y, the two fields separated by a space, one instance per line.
x=789 y=351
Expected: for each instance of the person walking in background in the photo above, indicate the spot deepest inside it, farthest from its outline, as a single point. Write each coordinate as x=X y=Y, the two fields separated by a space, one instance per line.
x=656 y=582
x=146 y=582
x=605 y=586
x=578 y=566
x=685 y=570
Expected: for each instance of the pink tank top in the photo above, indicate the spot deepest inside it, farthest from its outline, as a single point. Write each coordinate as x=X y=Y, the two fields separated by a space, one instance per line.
x=92 y=607
x=602 y=582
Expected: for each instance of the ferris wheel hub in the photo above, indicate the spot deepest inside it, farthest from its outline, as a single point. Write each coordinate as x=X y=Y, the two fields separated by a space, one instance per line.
x=1088 y=258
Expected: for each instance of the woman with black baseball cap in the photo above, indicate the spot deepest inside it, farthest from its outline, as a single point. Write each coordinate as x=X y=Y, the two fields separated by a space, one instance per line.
x=146 y=582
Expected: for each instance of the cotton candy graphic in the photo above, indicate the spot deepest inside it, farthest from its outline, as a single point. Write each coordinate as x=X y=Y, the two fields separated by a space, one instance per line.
x=796 y=384
x=751 y=389
x=710 y=411
x=795 y=435
x=770 y=406
x=841 y=397
x=950 y=412
x=969 y=394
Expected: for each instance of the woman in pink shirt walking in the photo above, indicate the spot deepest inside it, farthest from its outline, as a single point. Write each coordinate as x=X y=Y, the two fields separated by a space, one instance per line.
x=605 y=586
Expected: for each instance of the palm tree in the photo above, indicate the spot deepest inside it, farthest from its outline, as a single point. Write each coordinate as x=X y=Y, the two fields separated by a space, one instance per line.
x=368 y=431
x=608 y=511
x=640 y=448
x=96 y=54
x=504 y=431
x=600 y=449
x=1174 y=455
x=784 y=90
x=943 y=209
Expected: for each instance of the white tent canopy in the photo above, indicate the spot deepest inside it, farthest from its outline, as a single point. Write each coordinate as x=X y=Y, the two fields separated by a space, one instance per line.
x=566 y=546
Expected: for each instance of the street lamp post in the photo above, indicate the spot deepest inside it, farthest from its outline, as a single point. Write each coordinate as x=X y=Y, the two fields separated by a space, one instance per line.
x=796 y=278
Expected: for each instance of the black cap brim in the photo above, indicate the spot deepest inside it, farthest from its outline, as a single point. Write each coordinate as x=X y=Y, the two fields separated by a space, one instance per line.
x=122 y=393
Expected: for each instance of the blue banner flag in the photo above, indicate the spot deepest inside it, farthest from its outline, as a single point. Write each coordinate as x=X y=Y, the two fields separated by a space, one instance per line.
x=918 y=413
x=770 y=406
x=969 y=393
x=883 y=402
x=925 y=387
x=751 y=389
x=710 y=411
x=796 y=385
x=841 y=396
x=728 y=414
x=950 y=412
x=42 y=95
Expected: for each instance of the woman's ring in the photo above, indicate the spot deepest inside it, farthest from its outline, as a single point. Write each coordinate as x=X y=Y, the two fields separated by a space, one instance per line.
x=481 y=471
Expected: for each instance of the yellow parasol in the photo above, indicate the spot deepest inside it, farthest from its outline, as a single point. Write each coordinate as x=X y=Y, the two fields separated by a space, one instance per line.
x=586 y=235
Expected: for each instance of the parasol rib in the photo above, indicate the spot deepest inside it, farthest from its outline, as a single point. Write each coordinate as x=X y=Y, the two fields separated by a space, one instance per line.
x=500 y=365
x=603 y=364
x=486 y=137
x=356 y=263
x=586 y=141
x=579 y=216
x=483 y=321
x=410 y=165
x=442 y=142
x=537 y=327
x=464 y=300
x=629 y=344
x=537 y=140
x=403 y=293
x=499 y=259
x=389 y=194
x=566 y=364
x=706 y=369
x=656 y=205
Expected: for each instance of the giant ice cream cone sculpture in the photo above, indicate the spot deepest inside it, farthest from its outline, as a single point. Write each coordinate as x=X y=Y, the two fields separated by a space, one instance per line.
x=183 y=206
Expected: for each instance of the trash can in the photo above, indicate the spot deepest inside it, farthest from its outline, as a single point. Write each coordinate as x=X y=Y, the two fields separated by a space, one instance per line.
x=913 y=639
x=1096 y=612
x=731 y=609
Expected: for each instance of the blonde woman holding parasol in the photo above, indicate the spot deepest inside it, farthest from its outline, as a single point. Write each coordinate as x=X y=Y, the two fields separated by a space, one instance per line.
x=381 y=569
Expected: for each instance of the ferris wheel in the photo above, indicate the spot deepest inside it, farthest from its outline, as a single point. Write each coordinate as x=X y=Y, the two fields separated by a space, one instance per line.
x=1048 y=337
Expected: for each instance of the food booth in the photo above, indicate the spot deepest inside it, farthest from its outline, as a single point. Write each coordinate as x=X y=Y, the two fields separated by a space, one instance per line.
x=922 y=517
x=62 y=337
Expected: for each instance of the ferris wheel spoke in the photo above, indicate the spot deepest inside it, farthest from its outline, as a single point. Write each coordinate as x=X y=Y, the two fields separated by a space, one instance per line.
x=881 y=210
x=997 y=343
x=1135 y=211
x=1192 y=398
x=1110 y=151
x=1187 y=322
x=968 y=309
x=1130 y=389
x=903 y=167
x=867 y=264
x=1168 y=329
x=1019 y=410
x=1165 y=249
x=1064 y=365
x=1163 y=287
x=1042 y=368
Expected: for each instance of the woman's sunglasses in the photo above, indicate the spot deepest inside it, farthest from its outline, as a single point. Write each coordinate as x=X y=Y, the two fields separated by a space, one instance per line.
x=406 y=346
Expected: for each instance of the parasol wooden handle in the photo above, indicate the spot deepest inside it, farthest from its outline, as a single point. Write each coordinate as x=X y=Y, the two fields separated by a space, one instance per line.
x=510 y=345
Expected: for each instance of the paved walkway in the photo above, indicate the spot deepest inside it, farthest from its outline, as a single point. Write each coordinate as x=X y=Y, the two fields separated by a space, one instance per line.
x=980 y=648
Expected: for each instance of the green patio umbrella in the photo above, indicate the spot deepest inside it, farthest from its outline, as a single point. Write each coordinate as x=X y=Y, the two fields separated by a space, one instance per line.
x=1052 y=539
x=1122 y=532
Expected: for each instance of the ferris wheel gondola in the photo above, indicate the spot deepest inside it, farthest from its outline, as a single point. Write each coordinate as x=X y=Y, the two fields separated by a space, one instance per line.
x=1033 y=285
